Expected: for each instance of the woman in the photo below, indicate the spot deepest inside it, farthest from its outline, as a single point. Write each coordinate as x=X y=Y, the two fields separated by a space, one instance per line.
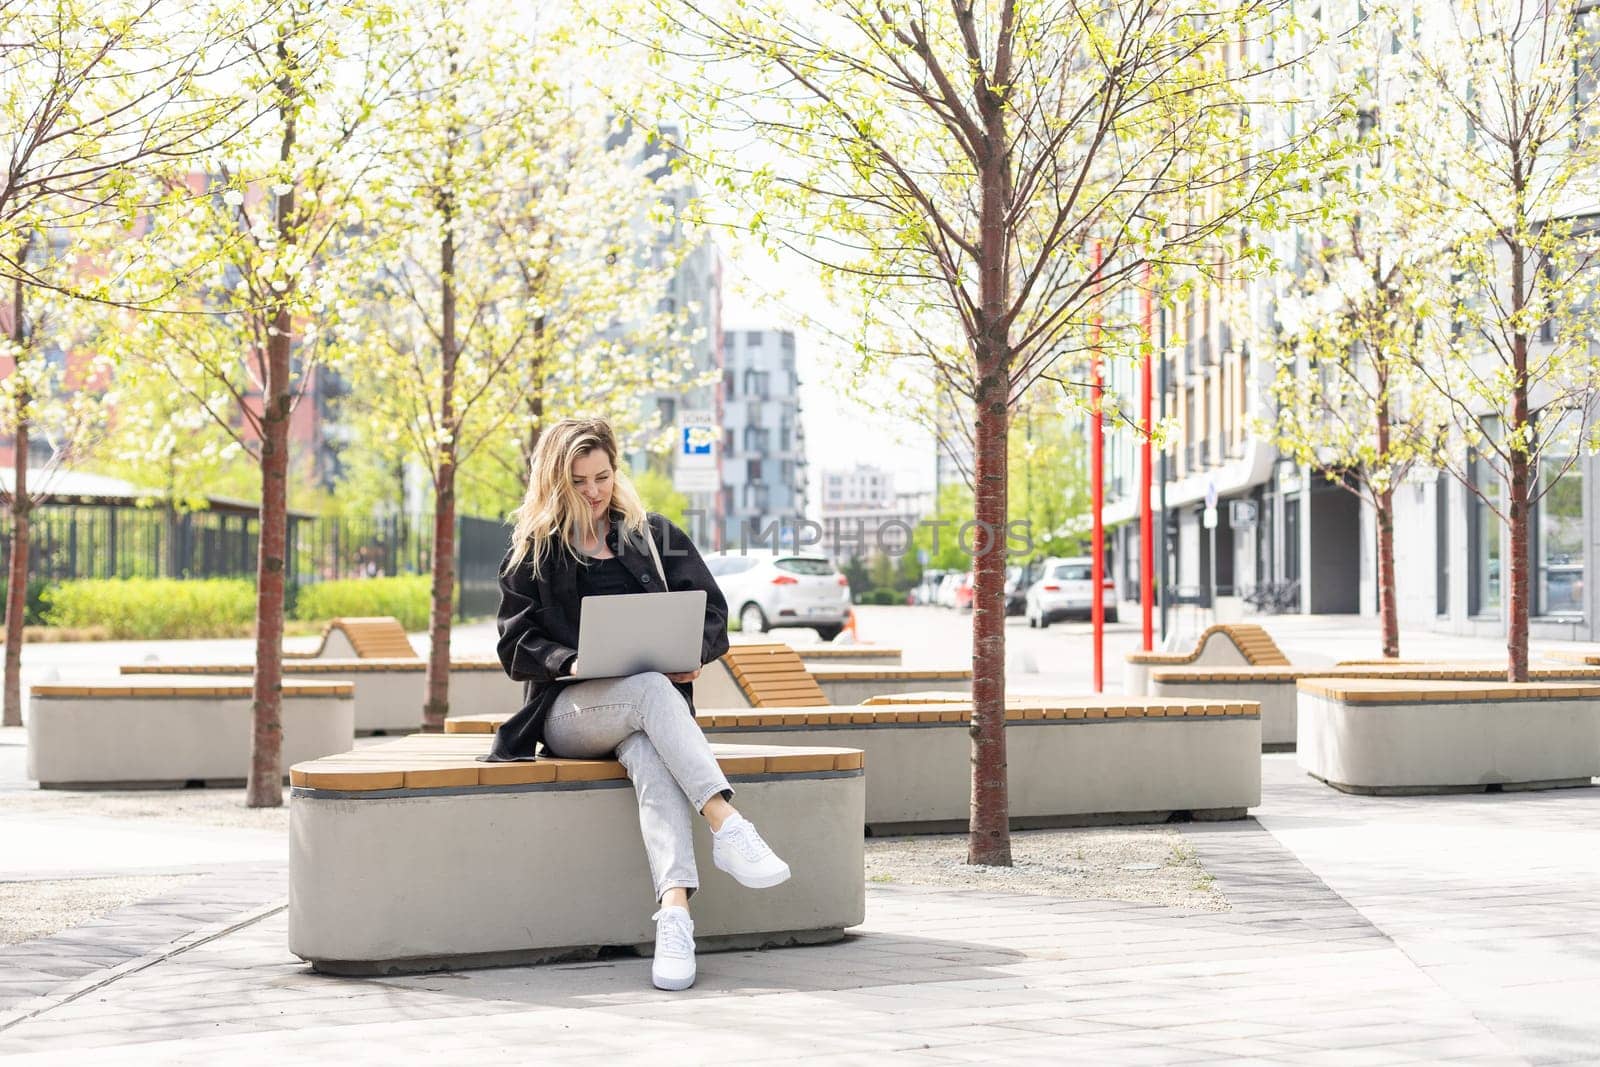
x=583 y=531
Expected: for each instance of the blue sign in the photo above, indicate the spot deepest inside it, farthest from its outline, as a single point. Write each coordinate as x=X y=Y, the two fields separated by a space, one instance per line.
x=698 y=440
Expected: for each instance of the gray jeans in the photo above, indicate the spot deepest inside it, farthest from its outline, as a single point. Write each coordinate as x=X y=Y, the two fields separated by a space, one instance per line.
x=644 y=720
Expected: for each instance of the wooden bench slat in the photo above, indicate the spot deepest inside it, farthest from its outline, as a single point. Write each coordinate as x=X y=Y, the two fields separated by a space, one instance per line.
x=435 y=761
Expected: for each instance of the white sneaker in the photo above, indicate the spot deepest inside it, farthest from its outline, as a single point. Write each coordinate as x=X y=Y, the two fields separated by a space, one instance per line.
x=739 y=850
x=673 y=966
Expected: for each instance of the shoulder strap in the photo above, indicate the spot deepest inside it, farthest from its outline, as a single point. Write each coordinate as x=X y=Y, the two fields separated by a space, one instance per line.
x=649 y=539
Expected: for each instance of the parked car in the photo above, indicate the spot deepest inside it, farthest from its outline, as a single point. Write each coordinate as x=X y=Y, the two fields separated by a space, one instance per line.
x=946 y=595
x=1016 y=589
x=1064 y=589
x=927 y=587
x=961 y=594
x=772 y=590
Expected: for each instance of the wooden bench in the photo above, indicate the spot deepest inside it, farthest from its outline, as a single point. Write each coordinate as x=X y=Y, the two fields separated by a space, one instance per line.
x=1072 y=760
x=767 y=676
x=166 y=732
x=850 y=655
x=1583 y=658
x=389 y=693
x=376 y=637
x=1387 y=736
x=1229 y=643
x=413 y=856
x=1274 y=688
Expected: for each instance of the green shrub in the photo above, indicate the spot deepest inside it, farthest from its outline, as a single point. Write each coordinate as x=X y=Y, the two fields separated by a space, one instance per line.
x=405 y=597
x=33 y=612
x=132 y=608
x=880 y=596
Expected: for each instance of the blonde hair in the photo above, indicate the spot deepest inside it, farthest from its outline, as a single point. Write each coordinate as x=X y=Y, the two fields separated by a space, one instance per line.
x=552 y=509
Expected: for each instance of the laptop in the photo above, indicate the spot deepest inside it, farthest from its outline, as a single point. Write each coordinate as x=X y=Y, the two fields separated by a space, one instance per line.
x=630 y=633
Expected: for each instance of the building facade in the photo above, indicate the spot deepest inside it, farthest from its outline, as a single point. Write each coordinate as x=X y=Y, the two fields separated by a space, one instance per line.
x=863 y=515
x=1289 y=539
x=764 y=474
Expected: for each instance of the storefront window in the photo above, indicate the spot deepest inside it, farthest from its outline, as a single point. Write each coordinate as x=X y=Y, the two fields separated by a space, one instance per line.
x=1558 y=539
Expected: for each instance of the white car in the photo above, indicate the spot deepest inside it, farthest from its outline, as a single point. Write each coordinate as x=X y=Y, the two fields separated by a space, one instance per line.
x=1065 y=588
x=768 y=590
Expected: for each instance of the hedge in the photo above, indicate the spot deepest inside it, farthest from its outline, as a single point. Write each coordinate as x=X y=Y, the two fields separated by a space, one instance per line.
x=135 y=608
x=405 y=597
x=156 y=608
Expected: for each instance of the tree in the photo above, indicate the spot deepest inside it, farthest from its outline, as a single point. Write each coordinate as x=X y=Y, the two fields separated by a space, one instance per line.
x=958 y=165
x=1351 y=321
x=1510 y=151
x=264 y=238
x=521 y=271
x=96 y=93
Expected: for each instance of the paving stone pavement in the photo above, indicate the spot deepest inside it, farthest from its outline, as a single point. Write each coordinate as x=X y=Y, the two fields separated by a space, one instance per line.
x=1362 y=931
x=31 y=971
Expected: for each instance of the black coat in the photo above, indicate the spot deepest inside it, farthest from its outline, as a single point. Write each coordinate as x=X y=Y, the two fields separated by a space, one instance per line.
x=538 y=622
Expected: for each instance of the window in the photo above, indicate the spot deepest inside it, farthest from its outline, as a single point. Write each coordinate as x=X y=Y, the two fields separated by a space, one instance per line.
x=1291 y=538
x=752 y=339
x=1557 y=529
x=814 y=568
x=1441 y=541
x=753 y=470
x=1071 y=572
x=1484 y=539
x=1586 y=65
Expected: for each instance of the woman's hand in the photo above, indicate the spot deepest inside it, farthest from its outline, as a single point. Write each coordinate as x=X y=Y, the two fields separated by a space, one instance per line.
x=684 y=677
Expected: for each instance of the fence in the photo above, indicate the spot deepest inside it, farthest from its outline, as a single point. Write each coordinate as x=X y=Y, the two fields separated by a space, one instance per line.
x=103 y=541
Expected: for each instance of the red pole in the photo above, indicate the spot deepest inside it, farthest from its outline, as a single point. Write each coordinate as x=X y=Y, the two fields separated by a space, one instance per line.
x=1147 y=539
x=1097 y=571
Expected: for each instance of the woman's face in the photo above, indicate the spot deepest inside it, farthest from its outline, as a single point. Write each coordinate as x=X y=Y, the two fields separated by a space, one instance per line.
x=592 y=477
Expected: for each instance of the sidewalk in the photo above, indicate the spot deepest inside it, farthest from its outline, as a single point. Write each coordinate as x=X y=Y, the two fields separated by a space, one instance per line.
x=1360 y=931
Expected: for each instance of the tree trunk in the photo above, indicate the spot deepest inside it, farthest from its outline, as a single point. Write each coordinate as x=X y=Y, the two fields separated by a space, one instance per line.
x=17 y=574
x=989 y=836
x=1519 y=463
x=1388 y=612
x=1383 y=501
x=1517 y=602
x=265 y=786
x=444 y=489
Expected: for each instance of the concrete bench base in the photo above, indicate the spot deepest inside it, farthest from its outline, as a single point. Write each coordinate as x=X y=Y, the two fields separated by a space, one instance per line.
x=1274 y=688
x=574 y=954
x=1448 y=790
x=387 y=881
x=1059 y=822
x=1219 y=645
x=1406 y=738
x=154 y=733
x=1072 y=761
x=389 y=693
x=1086 y=772
x=1277 y=701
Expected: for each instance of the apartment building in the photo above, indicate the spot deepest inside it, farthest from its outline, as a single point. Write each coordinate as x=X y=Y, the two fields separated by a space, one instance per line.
x=764 y=475
x=863 y=514
x=1287 y=538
